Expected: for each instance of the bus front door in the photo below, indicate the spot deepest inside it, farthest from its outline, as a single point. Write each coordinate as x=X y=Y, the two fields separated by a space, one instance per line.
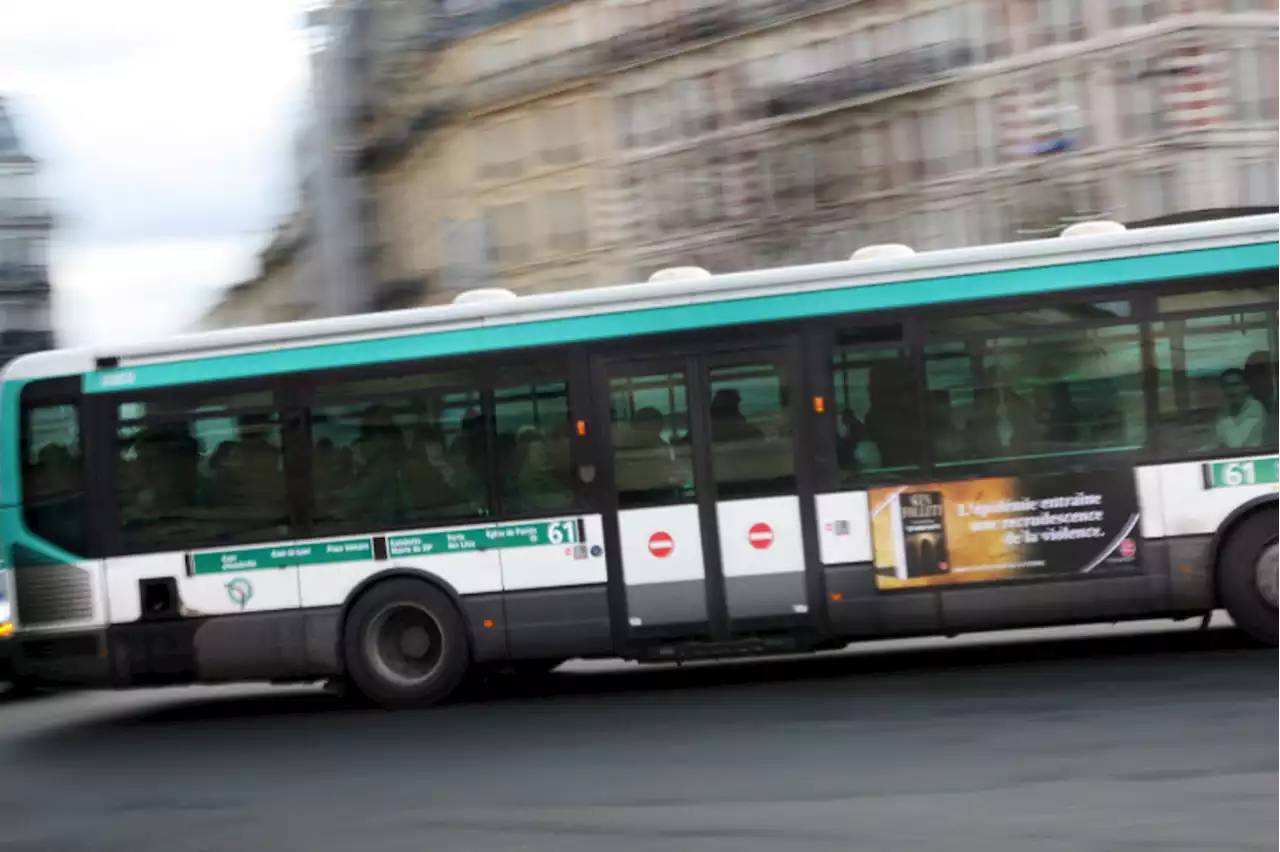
x=701 y=472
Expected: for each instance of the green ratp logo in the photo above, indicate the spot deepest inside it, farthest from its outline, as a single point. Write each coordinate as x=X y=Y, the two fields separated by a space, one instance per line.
x=240 y=591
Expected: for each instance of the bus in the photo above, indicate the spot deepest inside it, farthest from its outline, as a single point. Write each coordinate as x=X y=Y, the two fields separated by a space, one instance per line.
x=1079 y=429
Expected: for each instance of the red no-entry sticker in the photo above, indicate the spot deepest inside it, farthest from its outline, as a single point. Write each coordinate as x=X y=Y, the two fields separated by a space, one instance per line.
x=760 y=536
x=661 y=545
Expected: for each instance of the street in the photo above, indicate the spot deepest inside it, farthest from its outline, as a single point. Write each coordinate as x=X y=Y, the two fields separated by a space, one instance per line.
x=1142 y=737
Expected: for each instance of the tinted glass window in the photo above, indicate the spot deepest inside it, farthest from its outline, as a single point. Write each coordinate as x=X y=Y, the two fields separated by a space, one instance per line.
x=1217 y=382
x=535 y=465
x=208 y=472
x=997 y=398
x=751 y=452
x=406 y=451
x=653 y=458
x=876 y=407
x=53 y=476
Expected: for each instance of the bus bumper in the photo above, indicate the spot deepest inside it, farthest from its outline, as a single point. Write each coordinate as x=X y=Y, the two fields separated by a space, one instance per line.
x=61 y=659
x=287 y=646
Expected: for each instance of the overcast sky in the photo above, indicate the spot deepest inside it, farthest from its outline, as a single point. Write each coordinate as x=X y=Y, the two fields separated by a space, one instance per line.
x=165 y=129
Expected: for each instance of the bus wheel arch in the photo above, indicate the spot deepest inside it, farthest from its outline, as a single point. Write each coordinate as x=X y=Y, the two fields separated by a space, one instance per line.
x=403 y=639
x=1243 y=555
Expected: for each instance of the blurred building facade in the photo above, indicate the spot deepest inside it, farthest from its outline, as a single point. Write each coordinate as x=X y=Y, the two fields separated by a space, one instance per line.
x=543 y=145
x=26 y=224
x=561 y=145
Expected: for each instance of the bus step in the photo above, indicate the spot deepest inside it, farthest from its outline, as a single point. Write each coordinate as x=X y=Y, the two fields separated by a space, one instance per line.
x=754 y=646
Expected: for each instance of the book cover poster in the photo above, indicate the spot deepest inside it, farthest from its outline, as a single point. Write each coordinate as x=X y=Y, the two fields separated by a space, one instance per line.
x=1004 y=528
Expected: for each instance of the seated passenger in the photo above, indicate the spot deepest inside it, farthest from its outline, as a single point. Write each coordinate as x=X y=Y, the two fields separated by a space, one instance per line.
x=1243 y=421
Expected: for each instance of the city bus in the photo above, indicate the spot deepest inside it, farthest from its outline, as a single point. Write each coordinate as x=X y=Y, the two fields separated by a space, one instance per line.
x=1078 y=429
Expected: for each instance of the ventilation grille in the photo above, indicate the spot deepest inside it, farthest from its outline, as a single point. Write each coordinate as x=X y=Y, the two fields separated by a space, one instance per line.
x=47 y=594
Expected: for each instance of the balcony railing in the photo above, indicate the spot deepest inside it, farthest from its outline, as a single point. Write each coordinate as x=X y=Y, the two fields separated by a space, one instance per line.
x=401 y=293
x=877 y=76
x=28 y=211
x=546 y=72
x=398 y=141
x=24 y=277
x=704 y=22
x=484 y=16
x=16 y=342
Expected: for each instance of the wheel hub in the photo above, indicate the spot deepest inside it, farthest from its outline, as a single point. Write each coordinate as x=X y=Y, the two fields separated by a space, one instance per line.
x=404 y=643
x=414 y=642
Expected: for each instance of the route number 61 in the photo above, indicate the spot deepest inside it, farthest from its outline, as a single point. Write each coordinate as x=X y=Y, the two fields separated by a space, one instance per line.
x=561 y=532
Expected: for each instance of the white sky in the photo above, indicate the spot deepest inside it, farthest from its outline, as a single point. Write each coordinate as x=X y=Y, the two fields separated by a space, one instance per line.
x=165 y=131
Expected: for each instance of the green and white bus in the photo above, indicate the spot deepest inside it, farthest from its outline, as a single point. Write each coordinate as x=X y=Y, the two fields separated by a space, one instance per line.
x=1069 y=430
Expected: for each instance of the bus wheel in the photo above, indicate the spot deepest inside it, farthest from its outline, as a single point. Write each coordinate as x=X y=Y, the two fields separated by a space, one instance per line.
x=1247 y=576
x=405 y=644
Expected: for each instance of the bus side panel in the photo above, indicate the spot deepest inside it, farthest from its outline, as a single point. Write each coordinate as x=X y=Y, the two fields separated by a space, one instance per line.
x=854 y=605
x=1196 y=499
x=556 y=597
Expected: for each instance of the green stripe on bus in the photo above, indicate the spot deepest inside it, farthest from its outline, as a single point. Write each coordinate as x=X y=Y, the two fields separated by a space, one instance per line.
x=903 y=294
x=495 y=537
x=282 y=556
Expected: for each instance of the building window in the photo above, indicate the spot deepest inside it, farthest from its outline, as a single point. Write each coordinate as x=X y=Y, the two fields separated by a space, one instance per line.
x=791 y=176
x=558 y=129
x=511 y=242
x=200 y=472
x=1138 y=90
x=706 y=189
x=1253 y=82
x=567 y=220
x=1151 y=193
x=1133 y=13
x=628 y=119
x=836 y=170
x=908 y=163
x=940 y=141
x=999 y=39
x=500 y=150
x=1256 y=181
x=1057 y=22
x=874 y=144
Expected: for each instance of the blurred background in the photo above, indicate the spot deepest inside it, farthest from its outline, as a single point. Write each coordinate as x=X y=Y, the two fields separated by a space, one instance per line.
x=274 y=160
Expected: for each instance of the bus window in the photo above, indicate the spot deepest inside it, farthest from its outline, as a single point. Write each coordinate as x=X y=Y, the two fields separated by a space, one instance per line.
x=535 y=466
x=199 y=475
x=751 y=450
x=53 y=476
x=877 y=428
x=653 y=458
x=1217 y=382
x=398 y=452
x=1016 y=396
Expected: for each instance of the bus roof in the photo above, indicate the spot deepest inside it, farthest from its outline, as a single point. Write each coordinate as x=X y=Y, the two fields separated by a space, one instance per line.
x=1010 y=269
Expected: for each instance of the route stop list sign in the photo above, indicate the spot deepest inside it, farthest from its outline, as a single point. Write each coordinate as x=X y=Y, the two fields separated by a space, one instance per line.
x=761 y=536
x=661 y=545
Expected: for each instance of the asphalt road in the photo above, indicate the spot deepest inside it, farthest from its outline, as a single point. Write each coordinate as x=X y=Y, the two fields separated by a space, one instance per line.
x=1127 y=739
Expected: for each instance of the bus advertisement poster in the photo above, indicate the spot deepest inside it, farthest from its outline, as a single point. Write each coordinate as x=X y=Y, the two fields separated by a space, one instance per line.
x=1005 y=528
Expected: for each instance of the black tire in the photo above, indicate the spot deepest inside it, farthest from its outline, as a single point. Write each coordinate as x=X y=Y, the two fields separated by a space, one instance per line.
x=388 y=660
x=1239 y=589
